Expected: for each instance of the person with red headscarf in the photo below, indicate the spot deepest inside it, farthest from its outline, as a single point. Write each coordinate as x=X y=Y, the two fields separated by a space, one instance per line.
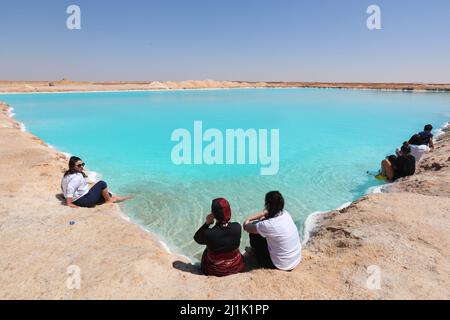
x=221 y=256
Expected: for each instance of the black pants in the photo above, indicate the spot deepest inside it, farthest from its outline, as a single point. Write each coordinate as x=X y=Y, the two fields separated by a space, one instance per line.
x=259 y=243
x=93 y=197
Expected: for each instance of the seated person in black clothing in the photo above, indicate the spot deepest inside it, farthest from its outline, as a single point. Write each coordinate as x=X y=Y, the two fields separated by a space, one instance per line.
x=404 y=165
x=221 y=256
x=427 y=136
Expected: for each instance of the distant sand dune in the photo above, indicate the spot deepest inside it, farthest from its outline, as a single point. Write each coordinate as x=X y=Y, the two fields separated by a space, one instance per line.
x=66 y=85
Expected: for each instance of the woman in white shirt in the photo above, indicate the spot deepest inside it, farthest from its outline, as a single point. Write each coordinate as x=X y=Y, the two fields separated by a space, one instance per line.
x=274 y=235
x=76 y=189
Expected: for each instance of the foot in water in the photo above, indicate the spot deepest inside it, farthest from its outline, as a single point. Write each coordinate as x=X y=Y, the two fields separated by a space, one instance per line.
x=373 y=173
x=377 y=174
x=119 y=199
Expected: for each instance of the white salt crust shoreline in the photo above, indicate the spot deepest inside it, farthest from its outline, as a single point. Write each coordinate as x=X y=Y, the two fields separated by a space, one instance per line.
x=431 y=91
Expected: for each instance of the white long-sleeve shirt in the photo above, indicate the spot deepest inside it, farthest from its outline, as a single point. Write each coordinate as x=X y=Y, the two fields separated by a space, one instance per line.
x=418 y=152
x=74 y=186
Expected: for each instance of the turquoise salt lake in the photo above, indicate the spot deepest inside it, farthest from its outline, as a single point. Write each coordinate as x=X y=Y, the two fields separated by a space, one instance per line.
x=329 y=139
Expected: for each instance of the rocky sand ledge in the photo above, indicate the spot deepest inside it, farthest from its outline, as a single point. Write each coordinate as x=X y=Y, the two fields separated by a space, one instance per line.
x=404 y=234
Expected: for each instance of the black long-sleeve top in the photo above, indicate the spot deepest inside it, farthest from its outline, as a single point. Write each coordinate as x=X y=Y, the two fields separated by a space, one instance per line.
x=219 y=239
x=404 y=166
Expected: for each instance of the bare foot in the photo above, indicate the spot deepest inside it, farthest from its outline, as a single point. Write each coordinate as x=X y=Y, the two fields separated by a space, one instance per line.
x=120 y=199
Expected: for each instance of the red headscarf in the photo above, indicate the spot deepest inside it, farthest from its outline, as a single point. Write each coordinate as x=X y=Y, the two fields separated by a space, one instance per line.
x=221 y=210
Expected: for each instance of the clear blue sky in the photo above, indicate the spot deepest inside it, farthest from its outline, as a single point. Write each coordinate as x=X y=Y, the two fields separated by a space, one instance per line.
x=291 y=40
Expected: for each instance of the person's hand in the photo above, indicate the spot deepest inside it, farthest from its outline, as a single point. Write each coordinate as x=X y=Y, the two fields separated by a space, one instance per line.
x=264 y=217
x=209 y=219
x=73 y=206
x=246 y=223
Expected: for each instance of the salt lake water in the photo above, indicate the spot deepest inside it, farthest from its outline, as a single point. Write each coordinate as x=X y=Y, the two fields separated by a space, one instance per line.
x=329 y=139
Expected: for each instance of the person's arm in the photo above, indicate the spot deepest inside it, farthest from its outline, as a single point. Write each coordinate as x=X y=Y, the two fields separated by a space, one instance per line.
x=72 y=187
x=256 y=217
x=250 y=225
x=70 y=203
x=199 y=236
x=250 y=228
x=431 y=145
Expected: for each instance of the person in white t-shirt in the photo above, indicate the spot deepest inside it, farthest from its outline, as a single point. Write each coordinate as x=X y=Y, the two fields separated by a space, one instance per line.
x=418 y=147
x=274 y=235
x=76 y=189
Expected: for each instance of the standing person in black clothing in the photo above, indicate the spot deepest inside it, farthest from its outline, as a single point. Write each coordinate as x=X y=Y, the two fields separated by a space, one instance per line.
x=398 y=167
x=221 y=256
x=427 y=136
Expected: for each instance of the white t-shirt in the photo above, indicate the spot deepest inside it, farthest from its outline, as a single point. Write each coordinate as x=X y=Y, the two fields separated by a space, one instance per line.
x=74 y=186
x=283 y=240
x=419 y=151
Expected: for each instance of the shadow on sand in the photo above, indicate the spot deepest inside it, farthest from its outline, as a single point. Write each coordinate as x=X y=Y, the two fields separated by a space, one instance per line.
x=250 y=264
x=60 y=198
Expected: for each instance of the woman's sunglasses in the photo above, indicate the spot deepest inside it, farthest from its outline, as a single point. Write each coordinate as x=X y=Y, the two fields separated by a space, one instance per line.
x=81 y=165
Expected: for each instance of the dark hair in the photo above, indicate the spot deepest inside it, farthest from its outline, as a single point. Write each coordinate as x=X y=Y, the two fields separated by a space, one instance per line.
x=416 y=140
x=406 y=149
x=428 y=127
x=274 y=203
x=72 y=162
x=392 y=158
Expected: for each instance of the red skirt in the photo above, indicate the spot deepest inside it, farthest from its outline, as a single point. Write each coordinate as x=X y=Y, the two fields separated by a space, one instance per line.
x=222 y=264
